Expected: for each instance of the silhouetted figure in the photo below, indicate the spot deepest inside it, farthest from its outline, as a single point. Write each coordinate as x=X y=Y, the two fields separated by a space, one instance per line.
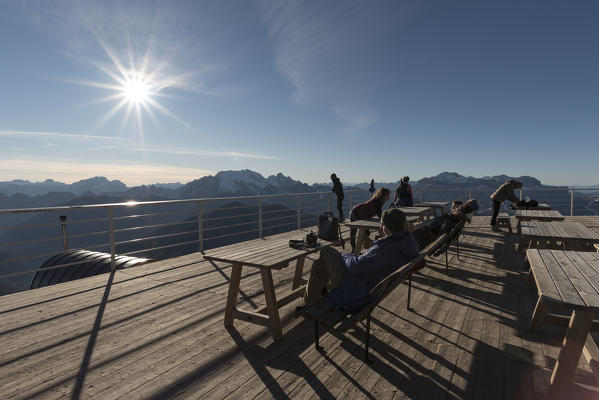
x=403 y=195
x=371 y=189
x=503 y=193
x=338 y=190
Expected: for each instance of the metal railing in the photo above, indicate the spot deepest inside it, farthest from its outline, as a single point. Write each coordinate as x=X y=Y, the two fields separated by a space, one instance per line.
x=161 y=229
x=154 y=229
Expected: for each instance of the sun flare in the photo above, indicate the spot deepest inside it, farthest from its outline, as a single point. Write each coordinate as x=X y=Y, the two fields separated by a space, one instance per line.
x=136 y=90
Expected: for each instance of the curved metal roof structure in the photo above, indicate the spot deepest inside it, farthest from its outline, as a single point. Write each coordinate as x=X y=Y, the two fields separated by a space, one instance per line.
x=85 y=263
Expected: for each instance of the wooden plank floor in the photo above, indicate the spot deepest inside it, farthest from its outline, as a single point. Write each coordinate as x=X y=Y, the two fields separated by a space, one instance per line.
x=156 y=331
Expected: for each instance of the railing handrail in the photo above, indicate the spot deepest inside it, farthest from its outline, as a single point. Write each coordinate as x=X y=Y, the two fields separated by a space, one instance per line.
x=179 y=201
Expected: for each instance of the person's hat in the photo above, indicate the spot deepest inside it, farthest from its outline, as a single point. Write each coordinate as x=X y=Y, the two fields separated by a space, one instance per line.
x=394 y=219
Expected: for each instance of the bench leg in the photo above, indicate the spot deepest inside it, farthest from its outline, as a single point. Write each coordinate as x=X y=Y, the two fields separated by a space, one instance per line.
x=569 y=354
x=317 y=337
x=233 y=292
x=457 y=246
x=409 y=290
x=446 y=263
x=299 y=270
x=538 y=316
x=271 y=304
x=367 y=341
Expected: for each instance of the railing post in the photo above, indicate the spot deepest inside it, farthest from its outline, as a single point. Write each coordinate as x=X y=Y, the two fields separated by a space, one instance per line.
x=329 y=202
x=469 y=194
x=299 y=214
x=260 y=217
x=65 y=238
x=420 y=191
x=111 y=229
x=200 y=227
x=520 y=194
x=571 y=202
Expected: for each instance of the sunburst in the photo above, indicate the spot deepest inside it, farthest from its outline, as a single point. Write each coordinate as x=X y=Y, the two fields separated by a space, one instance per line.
x=135 y=88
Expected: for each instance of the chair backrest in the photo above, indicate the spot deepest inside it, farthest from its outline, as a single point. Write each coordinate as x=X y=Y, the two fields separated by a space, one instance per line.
x=433 y=246
x=451 y=236
x=385 y=286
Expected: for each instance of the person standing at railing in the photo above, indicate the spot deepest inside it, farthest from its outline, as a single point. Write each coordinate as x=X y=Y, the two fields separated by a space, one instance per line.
x=338 y=190
x=371 y=189
x=503 y=193
x=404 y=197
x=367 y=210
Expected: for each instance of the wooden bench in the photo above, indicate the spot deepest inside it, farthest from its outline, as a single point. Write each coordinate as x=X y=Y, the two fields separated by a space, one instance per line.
x=503 y=219
x=326 y=313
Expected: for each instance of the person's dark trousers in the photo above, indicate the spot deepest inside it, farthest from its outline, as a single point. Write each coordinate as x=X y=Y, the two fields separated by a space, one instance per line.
x=496 y=206
x=340 y=207
x=352 y=232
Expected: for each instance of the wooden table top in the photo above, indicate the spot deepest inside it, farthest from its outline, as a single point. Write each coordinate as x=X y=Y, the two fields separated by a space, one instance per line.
x=569 y=278
x=540 y=214
x=371 y=223
x=264 y=253
x=431 y=203
x=414 y=210
x=558 y=230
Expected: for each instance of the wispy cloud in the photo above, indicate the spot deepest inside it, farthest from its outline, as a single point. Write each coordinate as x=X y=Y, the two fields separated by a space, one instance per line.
x=200 y=152
x=72 y=171
x=356 y=119
x=46 y=134
x=322 y=53
x=132 y=145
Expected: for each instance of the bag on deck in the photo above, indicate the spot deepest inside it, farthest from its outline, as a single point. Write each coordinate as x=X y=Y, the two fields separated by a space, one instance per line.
x=529 y=203
x=328 y=227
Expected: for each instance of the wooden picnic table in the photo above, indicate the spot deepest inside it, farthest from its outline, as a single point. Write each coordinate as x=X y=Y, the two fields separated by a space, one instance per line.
x=547 y=234
x=540 y=206
x=371 y=224
x=268 y=255
x=434 y=205
x=538 y=215
x=566 y=279
x=419 y=212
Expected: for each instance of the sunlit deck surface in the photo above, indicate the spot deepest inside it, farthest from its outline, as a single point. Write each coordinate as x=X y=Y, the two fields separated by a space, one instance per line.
x=156 y=331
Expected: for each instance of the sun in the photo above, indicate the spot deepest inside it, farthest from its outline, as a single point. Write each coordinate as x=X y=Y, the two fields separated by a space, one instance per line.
x=136 y=89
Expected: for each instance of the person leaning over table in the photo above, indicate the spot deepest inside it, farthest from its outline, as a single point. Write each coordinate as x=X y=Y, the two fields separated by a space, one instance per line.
x=503 y=193
x=349 y=277
x=366 y=210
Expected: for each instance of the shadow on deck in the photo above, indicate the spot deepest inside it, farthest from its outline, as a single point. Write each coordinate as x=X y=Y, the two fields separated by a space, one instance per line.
x=156 y=331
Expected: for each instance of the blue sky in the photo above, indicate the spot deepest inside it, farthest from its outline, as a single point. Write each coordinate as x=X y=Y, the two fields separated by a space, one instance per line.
x=364 y=89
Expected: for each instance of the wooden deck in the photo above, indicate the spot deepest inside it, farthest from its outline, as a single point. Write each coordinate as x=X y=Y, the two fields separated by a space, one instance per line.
x=156 y=331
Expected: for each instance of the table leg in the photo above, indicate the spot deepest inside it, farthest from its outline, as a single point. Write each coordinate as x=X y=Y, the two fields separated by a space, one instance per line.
x=359 y=240
x=271 y=303
x=538 y=316
x=569 y=354
x=233 y=293
x=299 y=270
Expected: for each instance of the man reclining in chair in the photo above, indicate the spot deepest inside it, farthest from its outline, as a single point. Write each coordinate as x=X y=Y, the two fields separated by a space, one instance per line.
x=349 y=277
x=445 y=223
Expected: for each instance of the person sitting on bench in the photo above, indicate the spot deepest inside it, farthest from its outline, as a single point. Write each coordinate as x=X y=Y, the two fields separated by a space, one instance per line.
x=350 y=277
x=445 y=223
